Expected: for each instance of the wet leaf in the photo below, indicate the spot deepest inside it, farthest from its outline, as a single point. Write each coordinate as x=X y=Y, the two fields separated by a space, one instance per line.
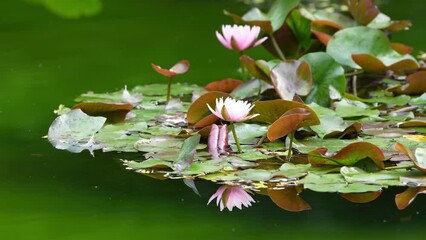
x=289 y=122
x=361 y=197
x=292 y=77
x=325 y=73
x=74 y=131
x=114 y=112
x=364 y=11
x=198 y=111
x=272 y=110
x=288 y=199
x=367 y=48
x=225 y=85
x=348 y=155
x=405 y=198
x=179 y=68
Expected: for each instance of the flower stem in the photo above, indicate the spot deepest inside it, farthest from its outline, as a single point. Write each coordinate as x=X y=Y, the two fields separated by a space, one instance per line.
x=290 y=147
x=276 y=47
x=234 y=133
x=261 y=140
x=243 y=69
x=169 y=87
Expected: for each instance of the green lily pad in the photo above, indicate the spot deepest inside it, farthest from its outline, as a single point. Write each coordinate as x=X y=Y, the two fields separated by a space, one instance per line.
x=325 y=73
x=367 y=44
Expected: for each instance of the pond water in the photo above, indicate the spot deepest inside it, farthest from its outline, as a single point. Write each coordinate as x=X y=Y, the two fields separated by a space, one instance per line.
x=45 y=193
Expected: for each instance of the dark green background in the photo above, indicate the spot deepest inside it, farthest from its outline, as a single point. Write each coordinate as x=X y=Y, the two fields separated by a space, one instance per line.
x=45 y=193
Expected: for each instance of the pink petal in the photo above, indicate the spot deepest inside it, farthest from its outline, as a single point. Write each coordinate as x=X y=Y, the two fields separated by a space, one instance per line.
x=213 y=140
x=180 y=67
x=223 y=41
x=260 y=41
x=223 y=138
x=219 y=115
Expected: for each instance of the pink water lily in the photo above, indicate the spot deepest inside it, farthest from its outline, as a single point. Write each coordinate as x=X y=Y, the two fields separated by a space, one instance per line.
x=240 y=38
x=232 y=110
x=231 y=196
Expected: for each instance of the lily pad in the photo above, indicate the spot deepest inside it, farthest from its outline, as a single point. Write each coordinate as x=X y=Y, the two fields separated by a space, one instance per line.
x=325 y=73
x=288 y=199
x=367 y=48
x=74 y=131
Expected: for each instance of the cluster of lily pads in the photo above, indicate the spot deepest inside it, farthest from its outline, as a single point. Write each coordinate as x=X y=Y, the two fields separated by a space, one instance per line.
x=341 y=109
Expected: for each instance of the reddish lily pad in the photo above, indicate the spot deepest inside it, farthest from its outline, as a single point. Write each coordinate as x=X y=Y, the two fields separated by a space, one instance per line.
x=289 y=122
x=363 y=11
x=416 y=84
x=348 y=155
x=179 y=68
x=401 y=48
x=258 y=69
x=418 y=158
x=225 y=85
x=405 y=198
x=361 y=197
x=272 y=110
x=288 y=199
x=324 y=29
x=114 y=112
x=198 y=112
x=292 y=77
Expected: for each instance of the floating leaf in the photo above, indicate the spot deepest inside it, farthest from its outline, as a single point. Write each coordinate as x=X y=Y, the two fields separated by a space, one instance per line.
x=325 y=73
x=225 y=85
x=367 y=48
x=179 y=68
x=272 y=110
x=289 y=122
x=74 y=131
x=416 y=84
x=405 y=198
x=288 y=199
x=401 y=48
x=351 y=109
x=363 y=11
x=348 y=155
x=198 y=111
x=114 y=112
x=292 y=77
x=361 y=197
x=249 y=89
x=418 y=158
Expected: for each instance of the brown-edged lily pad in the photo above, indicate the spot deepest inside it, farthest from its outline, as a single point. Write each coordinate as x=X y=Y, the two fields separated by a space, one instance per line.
x=289 y=199
x=114 y=112
x=225 y=85
x=405 y=198
x=418 y=158
x=179 y=68
x=363 y=11
x=416 y=84
x=361 y=197
x=272 y=110
x=289 y=122
x=348 y=155
x=258 y=69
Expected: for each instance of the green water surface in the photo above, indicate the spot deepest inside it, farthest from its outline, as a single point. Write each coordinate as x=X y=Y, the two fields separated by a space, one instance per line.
x=46 y=193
